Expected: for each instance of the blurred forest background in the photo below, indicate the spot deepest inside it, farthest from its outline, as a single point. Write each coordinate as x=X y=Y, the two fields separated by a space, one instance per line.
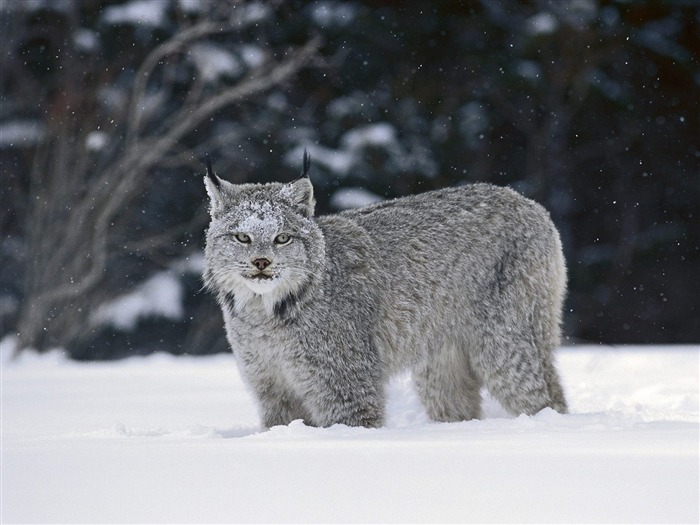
x=590 y=107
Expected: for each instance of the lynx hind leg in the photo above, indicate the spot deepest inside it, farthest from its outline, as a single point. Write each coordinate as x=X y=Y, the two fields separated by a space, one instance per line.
x=521 y=376
x=448 y=386
x=556 y=392
x=521 y=329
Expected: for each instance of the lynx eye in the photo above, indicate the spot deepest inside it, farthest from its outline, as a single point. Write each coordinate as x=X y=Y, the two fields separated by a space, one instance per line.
x=283 y=238
x=243 y=238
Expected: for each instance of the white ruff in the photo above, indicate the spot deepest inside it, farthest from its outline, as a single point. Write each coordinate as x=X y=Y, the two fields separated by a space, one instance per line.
x=263 y=286
x=264 y=293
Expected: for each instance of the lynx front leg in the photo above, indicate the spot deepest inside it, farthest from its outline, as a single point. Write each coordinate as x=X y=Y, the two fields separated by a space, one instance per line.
x=282 y=410
x=354 y=409
x=278 y=405
x=345 y=387
x=448 y=386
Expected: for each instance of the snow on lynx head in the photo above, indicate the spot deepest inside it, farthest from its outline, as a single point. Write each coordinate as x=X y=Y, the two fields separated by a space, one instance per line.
x=262 y=240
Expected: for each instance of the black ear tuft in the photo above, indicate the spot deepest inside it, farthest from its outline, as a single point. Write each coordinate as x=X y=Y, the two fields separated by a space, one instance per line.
x=306 y=165
x=212 y=176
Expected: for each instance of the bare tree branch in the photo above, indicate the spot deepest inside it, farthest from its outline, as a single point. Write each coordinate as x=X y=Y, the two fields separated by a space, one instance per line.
x=72 y=262
x=171 y=46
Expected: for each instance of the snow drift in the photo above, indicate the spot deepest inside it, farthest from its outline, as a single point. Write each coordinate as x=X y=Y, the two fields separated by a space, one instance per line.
x=165 y=439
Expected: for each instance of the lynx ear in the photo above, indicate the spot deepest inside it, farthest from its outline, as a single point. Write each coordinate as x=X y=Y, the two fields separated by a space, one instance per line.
x=306 y=165
x=300 y=194
x=215 y=187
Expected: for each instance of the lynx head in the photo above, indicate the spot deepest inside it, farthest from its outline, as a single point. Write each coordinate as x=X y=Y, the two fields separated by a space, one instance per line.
x=262 y=240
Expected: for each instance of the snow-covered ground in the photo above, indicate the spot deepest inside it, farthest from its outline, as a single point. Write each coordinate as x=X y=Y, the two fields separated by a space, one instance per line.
x=166 y=439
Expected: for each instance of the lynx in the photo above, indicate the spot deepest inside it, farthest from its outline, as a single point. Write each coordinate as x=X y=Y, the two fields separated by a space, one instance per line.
x=462 y=286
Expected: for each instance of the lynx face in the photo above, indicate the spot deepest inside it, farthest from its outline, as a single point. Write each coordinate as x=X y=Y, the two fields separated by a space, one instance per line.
x=261 y=238
x=257 y=246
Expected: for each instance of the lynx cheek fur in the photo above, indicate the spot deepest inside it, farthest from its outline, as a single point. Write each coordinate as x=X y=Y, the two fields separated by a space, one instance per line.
x=462 y=286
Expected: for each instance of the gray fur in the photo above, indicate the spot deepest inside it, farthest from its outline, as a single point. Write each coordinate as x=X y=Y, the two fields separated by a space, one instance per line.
x=462 y=286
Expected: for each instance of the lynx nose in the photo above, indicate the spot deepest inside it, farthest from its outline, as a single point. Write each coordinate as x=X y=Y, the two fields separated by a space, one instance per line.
x=262 y=263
